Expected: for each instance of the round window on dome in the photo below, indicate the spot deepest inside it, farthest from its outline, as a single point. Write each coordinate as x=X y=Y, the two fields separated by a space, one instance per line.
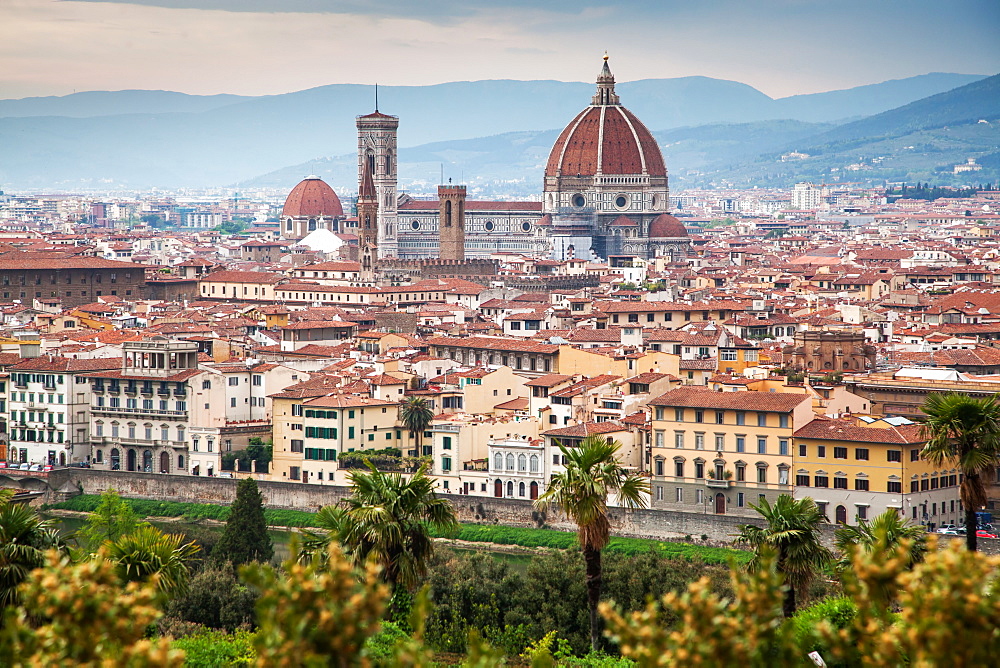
x=579 y=200
x=621 y=201
x=415 y=225
x=489 y=226
x=526 y=227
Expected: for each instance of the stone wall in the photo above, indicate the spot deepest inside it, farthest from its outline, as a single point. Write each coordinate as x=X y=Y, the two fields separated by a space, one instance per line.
x=656 y=524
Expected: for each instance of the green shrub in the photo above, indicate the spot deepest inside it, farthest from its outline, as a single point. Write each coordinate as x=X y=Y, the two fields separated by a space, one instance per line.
x=381 y=647
x=216 y=649
x=839 y=611
x=190 y=511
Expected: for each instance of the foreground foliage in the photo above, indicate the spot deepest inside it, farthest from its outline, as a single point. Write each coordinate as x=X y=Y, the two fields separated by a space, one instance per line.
x=949 y=614
x=24 y=537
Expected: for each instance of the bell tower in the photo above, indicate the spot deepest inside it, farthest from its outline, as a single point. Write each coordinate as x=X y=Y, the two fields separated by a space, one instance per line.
x=377 y=152
x=451 y=222
x=367 y=225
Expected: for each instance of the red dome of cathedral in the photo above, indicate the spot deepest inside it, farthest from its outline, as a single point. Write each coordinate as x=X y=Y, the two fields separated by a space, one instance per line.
x=666 y=226
x=312 y=197
x=605 y=138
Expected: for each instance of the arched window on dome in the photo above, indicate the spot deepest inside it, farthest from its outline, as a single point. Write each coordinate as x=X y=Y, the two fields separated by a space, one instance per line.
x=312 y=224
x=288 y=225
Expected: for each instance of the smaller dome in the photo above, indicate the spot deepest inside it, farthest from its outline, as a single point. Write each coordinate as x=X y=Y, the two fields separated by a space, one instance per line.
x=312 y=197
x=666 y=226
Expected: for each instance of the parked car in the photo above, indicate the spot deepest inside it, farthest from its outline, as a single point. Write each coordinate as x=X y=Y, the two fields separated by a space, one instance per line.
x=3 y=465
x=47 y=467
x=946 y=528
x=949 y=532
x=35 y=467
x=985 y=534
x=24 y=467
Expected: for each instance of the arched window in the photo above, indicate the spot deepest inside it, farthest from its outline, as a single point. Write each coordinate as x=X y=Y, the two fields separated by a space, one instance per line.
x=180 y=462
x=371 y=162
x=447 y=213
x=498 y=461
x=510 y=488
x=520 y=489
x=510 y=462
x=522 y=464
x=100 y=456
x=288 y=225
x=116 y=460
x=388 y=163
x=534 y=464
x=312 y=224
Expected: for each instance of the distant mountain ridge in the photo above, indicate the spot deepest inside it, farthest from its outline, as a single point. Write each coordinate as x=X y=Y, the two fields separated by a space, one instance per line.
x=140 y=139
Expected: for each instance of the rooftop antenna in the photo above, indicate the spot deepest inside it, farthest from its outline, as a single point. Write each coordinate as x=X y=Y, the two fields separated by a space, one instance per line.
x=376 y=96
x=442 y=174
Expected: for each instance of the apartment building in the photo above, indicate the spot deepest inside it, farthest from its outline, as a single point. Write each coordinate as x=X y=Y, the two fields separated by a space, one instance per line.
x=49 y=403
x=718 y=452
x=856 y=468
x=141 y=413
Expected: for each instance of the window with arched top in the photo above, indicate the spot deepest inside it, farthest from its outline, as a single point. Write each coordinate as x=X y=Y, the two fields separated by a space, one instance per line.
x=388 y=163
x=498 y=461
x=533 y=464
x=510 y=462
x=447 y=213
x=520 y=489
x=522 y=463
x=510 y=488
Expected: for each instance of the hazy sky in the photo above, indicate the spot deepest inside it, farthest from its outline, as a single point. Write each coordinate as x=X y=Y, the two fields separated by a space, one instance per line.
x=253 y=47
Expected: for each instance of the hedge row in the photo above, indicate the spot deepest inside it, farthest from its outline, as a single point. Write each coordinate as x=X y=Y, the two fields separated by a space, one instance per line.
x=190 y=511
x=523 y=537
x=475 y=533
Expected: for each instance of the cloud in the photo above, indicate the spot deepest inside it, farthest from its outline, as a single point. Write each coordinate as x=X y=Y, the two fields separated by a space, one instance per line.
x=255 y=47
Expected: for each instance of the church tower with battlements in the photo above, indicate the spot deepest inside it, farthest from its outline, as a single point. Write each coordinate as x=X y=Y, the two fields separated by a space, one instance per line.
x=451 y=222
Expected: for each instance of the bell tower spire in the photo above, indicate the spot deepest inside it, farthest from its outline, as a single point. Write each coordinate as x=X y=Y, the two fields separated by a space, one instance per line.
x=605 y=94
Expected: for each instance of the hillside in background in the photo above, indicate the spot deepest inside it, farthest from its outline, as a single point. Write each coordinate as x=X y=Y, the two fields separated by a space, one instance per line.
x=495 y=131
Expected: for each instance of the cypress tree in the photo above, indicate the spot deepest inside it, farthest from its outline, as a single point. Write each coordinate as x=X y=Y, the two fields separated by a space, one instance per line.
x=245 y=538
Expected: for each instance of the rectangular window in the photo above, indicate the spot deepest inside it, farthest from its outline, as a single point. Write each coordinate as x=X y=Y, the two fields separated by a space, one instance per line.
x=894 y=487
x=862 y=512
x=741 y=473
x=783 y=447
x=821 y=451
x=914 y=486
x=720 y=417
x=894 y=455
x=802 y=450
x=296 y=445
x=234 y=381
x=741 y=418
x=761 y=419
x=678 y=439
x=658 y=438
x=741 y=443
x=699 y=470
x=678 y=415
x=297 y=410
x=659 y=467
x=659 y=493
x=861 y=484
x=679 y=469
x=821 y=481
x=802 y=480
x=915 y=455
x=720 y=442
x=840 y=483
x=840 y=453
x=761 y=474
x=699 y=416
x=294 y=472
x=741 y=500
x=446 y=443
x=861 y=453
x=783 y=421
x=350 y=432
x=679 y=494
x=762 y=445
x=699 y=441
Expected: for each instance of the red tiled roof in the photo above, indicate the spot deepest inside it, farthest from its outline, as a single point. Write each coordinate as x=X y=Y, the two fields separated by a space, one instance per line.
x=690 y=397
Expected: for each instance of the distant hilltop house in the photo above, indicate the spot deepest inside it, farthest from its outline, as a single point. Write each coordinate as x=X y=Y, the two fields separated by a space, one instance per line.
x=969 y=166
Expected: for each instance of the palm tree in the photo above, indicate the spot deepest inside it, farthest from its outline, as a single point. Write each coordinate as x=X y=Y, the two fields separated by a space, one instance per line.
x=581 y=491
x=416 y=415
x=886 y=531
x=388 y=519
x=965 y=432
x=792 y=533
x=148 y=551
x=24 y=538
x=333 y=524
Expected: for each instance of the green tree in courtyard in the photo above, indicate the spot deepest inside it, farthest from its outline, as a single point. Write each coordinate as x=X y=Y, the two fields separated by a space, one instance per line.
x=245 y=538
x=146 y=552
x=112 y=519
x=416 y=415
x=964 y=432
x=581 y=492
x=24 y=538
x=387 y=521
x=792 y=533
x=216 y=599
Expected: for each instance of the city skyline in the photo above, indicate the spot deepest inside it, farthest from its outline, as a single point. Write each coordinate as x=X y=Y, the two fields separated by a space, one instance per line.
x=780 y=47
